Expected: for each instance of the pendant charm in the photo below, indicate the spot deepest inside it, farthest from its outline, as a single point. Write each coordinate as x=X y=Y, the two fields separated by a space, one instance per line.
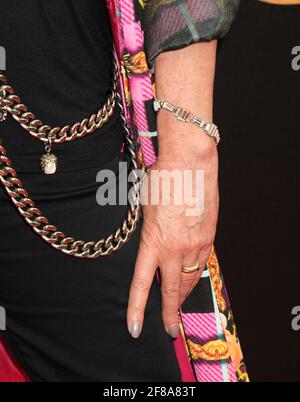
x=49 y=160
x=49 y=163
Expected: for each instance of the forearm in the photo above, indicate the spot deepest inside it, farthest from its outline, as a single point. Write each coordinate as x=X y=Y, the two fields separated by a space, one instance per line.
x=185 y=77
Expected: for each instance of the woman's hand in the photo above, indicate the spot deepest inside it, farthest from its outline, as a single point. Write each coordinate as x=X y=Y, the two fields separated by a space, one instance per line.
x=174 y=236
x=170 y=237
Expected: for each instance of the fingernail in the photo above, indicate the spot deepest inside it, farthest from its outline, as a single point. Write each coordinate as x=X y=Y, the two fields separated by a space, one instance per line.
x=135 y=329
x=173 y=330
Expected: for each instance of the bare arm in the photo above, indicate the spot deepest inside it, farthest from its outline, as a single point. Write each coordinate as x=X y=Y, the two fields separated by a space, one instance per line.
x=185 y=77
x=170 y=238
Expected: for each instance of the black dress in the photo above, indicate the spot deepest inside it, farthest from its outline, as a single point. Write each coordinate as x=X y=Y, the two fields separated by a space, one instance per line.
x=257 y=106
x=66 y=317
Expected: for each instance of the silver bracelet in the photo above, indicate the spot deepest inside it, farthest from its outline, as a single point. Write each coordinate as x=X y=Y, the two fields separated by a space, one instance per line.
x=186 y=116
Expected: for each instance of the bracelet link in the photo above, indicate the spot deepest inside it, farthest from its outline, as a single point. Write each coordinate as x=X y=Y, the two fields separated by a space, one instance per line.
x=182 y=114
x=168 y=106
x=209 y=128
x=198 y=122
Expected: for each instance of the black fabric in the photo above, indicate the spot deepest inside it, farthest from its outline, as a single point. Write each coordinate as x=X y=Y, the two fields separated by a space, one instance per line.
x=66 y=317
x=257 y=108
x=59 y=62
x=199 y=303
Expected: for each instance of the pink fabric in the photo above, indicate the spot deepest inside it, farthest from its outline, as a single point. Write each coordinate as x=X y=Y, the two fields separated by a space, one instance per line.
x=9 y=369
x=187 y=374
x=206 y=371
x=130 y=36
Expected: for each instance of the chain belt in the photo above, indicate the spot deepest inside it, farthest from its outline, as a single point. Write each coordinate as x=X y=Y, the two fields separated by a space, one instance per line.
x=26 y=206
x=11 y=103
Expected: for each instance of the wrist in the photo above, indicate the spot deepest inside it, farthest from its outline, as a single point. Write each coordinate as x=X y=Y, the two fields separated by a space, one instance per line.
x=183 y=140
x=187 y=145
x=204 y=159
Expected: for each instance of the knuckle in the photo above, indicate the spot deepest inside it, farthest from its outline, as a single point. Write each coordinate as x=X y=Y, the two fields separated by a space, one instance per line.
x=198 y=245
x=171 y=288
x=192 y=248
x=206 y=245
x=141 y=285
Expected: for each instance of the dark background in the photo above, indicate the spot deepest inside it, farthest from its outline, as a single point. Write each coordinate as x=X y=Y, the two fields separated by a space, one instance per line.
x=257 y=99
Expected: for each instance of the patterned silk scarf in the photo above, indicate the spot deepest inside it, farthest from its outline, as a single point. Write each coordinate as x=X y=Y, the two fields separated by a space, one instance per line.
x=208 y=348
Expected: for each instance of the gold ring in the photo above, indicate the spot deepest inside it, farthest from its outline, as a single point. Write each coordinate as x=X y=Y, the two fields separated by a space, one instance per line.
x=192 y=268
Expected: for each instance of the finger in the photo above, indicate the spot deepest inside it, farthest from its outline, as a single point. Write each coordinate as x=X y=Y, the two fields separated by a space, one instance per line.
x=190 y=280
x=145 y=267
x=170 y=285
x=186 y=286
x=203 y=258
x=196 y=279
x=187 y=279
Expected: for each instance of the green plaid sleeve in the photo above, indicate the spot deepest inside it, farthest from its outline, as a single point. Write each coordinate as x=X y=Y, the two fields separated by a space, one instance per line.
x=173 y=24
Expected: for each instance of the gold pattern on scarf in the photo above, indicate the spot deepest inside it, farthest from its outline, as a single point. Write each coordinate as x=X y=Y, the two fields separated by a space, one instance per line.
x=135 y=64
x=211 y=351
x=132 y=65
x=214 y=271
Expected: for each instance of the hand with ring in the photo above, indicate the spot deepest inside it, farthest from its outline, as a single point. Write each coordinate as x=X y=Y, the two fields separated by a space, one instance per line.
x=172 y=240
x=177 y=244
